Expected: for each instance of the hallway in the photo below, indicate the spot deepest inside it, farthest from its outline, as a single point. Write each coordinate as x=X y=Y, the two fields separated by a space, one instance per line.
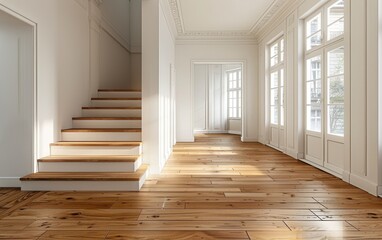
x=215 y=188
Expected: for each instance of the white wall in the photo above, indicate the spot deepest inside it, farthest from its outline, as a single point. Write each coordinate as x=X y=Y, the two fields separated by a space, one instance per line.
x=362 y=166
x=157 y=59
x=62 y=65
x=188 y=52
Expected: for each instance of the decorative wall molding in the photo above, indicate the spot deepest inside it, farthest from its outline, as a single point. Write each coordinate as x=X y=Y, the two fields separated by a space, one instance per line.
x=176 y=12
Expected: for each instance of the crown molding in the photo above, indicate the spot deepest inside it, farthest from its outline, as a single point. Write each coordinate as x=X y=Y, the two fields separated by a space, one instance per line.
x=182 y=34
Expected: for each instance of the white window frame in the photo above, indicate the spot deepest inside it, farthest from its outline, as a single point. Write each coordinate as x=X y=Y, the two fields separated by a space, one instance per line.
x=322 y=50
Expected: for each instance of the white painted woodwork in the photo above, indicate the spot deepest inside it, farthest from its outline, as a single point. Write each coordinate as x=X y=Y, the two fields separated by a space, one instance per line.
x=234 y=126
x=101 y=136
x=210 y=100
x=105 y=166
x=107 y=123
x=111 y=112
x=116 y=103
x=95 y=150
x=225 y=52
x=206 y=15
x=17 y=98
x=121 y=94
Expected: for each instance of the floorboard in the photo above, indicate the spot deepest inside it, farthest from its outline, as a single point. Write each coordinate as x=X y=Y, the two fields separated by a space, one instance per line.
x=215 y=188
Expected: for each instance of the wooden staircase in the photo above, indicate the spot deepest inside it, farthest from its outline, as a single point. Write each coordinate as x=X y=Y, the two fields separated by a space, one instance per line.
x=102 y=152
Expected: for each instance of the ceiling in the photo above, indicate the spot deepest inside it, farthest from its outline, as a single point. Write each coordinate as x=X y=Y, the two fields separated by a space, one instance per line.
x=222 y=19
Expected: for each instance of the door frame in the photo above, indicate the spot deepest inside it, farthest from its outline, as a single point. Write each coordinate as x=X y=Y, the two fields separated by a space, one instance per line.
x=243 y=64
x=33 y=24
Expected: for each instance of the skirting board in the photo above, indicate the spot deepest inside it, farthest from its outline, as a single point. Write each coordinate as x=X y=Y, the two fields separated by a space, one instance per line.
x=364 y=184
x=10 y=182
x=380 y=191
x=294 y=154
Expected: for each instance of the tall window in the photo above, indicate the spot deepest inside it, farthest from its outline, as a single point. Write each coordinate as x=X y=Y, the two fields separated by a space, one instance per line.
x=324 y=82
x=234 y=93
x=276 y=77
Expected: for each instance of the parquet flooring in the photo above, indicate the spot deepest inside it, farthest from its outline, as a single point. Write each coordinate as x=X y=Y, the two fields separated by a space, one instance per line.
x=215 y=188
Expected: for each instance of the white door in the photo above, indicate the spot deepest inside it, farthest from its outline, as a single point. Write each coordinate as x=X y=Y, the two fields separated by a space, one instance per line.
x=324 y=87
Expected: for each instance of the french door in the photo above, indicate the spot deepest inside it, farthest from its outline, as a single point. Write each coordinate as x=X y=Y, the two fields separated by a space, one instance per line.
x=325 y=88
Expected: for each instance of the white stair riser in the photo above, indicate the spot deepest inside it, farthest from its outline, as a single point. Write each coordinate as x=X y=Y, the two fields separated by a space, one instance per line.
x=101 y=136
x=119 y=94
x=107 y=123
x=89 y=166
x=111 y=113
x=116 y=103
x=82 y=185
x=95 y=150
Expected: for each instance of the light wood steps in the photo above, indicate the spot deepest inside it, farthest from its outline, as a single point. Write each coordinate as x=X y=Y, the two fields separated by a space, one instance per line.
x=89 y=158
x=101 y=134
x=102 y=130
x=86 y=176
x=101 y=152
x=85 y=181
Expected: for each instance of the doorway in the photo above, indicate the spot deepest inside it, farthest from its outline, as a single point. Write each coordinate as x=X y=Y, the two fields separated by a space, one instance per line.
x=218 y=98
x=17 y=98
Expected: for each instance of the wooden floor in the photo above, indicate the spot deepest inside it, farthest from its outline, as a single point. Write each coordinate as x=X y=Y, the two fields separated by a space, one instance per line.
x=216 y=188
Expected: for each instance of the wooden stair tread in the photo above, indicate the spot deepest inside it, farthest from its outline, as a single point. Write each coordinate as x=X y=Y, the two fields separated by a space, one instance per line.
x=96 y=144
x=86 y=176
x=113 y=108
x=119 y=90
x=117 y=99
x=102 y=130
x=90 y=158
x=107 y=118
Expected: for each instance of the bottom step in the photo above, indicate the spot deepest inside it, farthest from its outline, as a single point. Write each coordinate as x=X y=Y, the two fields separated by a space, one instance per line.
x=85 y=181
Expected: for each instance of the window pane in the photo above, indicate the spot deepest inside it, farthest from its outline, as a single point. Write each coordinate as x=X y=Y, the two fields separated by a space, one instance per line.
x=336 y=90
x=336 y=11
x=313 y=66
x=274 y=79
x=336 y=119
x=336 y=29
x=274 y=115
x=282 y=45
x=336 y=62
x=313 y=118
x=274 y=61
x=239 y=112
x=274 y=49
x=313 y=25
x=274 y=97
x=230 y=76
x=235 y=76
x=313 y=92
x=234 y=84
x=313 y=41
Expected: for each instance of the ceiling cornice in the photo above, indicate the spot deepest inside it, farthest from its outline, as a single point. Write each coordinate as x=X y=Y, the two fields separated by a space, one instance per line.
x=182 y=34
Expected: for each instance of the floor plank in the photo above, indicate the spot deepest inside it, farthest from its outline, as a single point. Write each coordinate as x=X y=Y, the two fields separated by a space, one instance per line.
x=215 y=188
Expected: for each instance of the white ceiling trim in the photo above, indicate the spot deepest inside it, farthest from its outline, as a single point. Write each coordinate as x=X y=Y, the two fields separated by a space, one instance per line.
x=222 y=35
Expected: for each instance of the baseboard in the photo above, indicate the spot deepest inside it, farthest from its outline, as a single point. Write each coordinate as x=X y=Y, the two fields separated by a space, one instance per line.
x=185 y=140
x=234 y=132
x=10 y=182
x=293 y=153
x=380 y=191
x=346 y=176
x=364 y=184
